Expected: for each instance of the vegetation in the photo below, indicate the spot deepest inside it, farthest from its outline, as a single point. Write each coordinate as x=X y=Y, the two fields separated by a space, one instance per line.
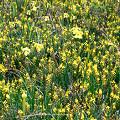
x=60 y=59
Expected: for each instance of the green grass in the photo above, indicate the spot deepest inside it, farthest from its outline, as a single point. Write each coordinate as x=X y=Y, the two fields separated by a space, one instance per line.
x=64 y=55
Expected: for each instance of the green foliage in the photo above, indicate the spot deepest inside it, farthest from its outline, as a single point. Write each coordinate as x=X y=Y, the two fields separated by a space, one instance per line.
x=63 y=56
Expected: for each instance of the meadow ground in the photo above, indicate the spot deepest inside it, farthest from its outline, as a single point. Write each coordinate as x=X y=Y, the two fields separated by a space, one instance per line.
x=60 y=59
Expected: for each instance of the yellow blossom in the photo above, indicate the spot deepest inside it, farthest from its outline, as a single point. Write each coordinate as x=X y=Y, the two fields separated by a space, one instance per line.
x=100 y=91
x=7 y=96
x=46 y=18
x=38 y=47
x=76 y=100
x=112 y=94
x=20 y=80
x=24 y=95
x=28 y=12
x=2 y=68
x=26 y=51
x=78 y=32
x=75 y=64
x=12 y=24
x=93 y=119
x=66 y=15
x=20 y=112
x=3 y=39
x=55 y=96
x=82 y=116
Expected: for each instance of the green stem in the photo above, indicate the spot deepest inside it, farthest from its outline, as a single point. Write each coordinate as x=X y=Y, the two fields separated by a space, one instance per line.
x=23 y=106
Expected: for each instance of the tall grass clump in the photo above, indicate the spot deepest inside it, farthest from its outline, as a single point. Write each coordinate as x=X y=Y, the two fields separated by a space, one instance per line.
x=60 y=59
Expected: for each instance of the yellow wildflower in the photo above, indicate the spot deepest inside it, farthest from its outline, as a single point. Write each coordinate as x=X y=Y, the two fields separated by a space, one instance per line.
x=26 y=51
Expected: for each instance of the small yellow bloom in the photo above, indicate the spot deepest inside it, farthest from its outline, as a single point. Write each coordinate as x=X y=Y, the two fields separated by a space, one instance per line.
x=34 y=75
x=54 y=109
x=63 y=110
x=75 y=64
x=7 y=96
x=100 y=91
x=55 y=96
x=24 y=95
x=12 y=24
x=28 y=12
x=40 y=96
x=46 y=18
x=20 y=112
x=92 y=118
x=26 y=51
x=108 y=107
x=38 y=47
x=66 y=15
x=2 y=68
x=76 y=100
x=20 y=80
x=112 y=94
x=34 y=8
x=88 y=112
x=78 y=32
x=114 y=105
x=3 y=39
x=1 y=116
x=82 y=116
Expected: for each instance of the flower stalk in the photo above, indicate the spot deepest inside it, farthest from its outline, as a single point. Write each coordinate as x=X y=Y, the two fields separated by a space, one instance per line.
x=24 y=97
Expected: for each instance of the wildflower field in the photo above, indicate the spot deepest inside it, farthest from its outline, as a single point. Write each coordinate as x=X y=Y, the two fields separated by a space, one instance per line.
x=59 y=60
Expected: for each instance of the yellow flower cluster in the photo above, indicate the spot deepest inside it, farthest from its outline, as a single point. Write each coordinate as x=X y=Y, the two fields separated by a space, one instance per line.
x=59 y=56
x=78 y=33
x=38 y=47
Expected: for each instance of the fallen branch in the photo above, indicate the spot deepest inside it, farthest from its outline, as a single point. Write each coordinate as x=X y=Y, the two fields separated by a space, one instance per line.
x=40 y=114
